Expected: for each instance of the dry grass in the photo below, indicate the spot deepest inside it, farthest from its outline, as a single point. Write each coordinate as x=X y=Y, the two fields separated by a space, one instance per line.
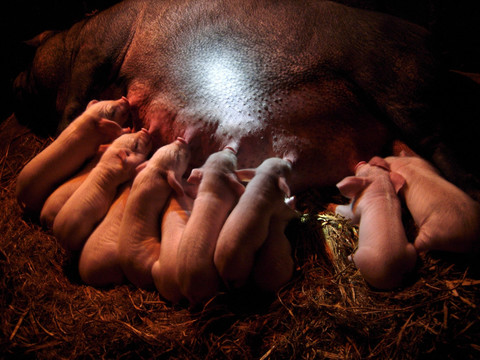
x=326 y=312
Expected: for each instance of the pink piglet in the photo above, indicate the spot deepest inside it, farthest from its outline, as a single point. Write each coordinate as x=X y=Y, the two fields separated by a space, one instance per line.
x=384 y=255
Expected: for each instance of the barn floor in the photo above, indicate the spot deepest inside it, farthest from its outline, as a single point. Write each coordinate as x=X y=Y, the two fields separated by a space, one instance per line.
x=326 y=312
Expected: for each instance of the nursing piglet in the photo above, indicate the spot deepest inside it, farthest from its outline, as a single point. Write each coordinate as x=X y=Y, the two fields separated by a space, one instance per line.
x=218 y=193
x=448 y=219
x=384 y=255
x=164 y=270
x=90 y=202
x=256 y=227
x=59 y=197
x=139 y=239
x=99 y=124
x=99 y=263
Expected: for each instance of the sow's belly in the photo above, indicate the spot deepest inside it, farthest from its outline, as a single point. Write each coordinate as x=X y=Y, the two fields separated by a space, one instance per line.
x=315 y=81
x=219 y=86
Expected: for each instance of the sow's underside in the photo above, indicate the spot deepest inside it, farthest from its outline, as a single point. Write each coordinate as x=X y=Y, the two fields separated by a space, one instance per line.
x=319 y=82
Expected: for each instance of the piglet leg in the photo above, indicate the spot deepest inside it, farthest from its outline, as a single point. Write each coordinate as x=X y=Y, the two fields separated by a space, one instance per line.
x=99 y=262
x=273 y=266
x=174 y=221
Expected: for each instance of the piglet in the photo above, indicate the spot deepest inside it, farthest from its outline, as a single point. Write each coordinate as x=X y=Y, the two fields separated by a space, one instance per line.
x=256 y=227
x=448 y=219
x=90 y=202
x=99 y=124
x=139 y=238
x=218 y=192
x=384 y=255
x=99 y=263
x=164 y=270
x=59 y=197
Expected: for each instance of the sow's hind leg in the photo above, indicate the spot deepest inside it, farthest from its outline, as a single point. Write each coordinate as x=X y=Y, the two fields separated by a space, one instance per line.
x=435 y=112
x=397 y=66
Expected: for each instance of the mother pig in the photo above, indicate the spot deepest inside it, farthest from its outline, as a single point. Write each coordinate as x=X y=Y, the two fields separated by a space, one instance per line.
x=326 y=84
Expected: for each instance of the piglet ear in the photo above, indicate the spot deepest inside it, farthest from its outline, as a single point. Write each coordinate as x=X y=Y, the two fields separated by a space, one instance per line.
x=352 y=185
x=282 y=184
x=122 y=155
x=141 y=167
x=190 y=190
x=235 y=184
x=40 y=39
x=397 y=180
x=245 y=175
x=110 y=129
x=380 y=162
x=174 y=183
x=126 y=130
x=92 y=102
x=195 y=176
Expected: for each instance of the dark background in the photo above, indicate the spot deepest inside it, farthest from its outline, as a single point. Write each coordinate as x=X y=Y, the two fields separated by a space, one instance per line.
x=454 y=23
x=21 y=20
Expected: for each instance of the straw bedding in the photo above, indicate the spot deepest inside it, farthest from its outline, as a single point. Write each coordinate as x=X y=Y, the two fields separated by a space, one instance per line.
x=326 y=311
